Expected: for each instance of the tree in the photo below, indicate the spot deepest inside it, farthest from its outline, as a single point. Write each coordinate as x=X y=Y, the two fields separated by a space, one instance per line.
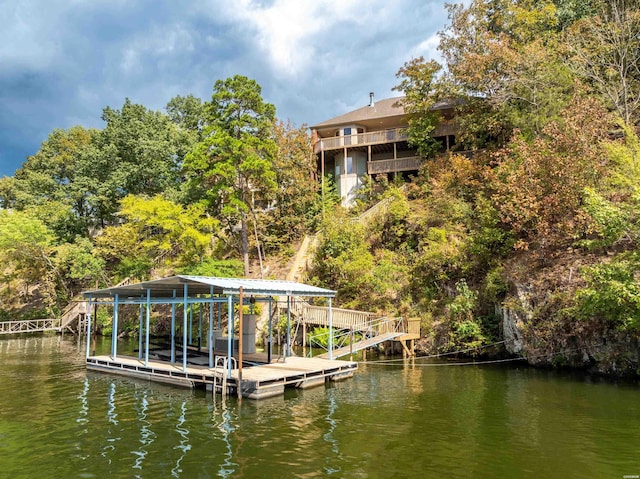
x=156 y=230
x=502 y=56
x=606 y=53
x=51 y=184
x=26 y=247
x=418 y=83
x=140 y=152
x=233 y=166
x=538 y=185
x=295 y=195
x=188 y=113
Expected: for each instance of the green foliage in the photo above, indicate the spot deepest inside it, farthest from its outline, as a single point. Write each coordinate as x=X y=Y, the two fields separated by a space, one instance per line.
x=78 y=261
x=607 y=222
x=612 y=293
x=233 y=166
x=466 y=331
x=221 y=268
x=26 y=246
x=418 y=83
x=156 y=229
x=292 y=209
x=188 y=113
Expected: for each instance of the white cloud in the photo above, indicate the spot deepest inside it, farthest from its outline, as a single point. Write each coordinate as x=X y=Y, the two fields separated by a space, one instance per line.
x=428 y=48
x=27 y=37
x=285 y=29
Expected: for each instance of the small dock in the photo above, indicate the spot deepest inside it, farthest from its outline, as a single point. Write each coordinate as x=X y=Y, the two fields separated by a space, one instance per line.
x=226 y=359
x=258 y=381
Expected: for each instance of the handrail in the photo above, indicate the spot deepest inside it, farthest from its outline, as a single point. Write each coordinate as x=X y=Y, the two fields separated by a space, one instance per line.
x=374 y=328
x=30 y=325
x=362 y=139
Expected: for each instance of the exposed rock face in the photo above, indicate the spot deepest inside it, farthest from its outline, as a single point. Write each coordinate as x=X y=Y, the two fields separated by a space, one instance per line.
x=550 y=340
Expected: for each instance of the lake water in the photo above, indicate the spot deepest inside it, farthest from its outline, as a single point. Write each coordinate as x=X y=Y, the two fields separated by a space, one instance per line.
x=392 y=420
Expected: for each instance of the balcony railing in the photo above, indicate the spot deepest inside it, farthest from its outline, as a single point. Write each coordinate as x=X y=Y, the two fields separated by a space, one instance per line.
x=399 y=164
x=362 y=139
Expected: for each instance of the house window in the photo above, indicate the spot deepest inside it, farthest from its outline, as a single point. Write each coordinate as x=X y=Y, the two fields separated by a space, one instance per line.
x=349 y=168
x=347 y=136
x=337 y=170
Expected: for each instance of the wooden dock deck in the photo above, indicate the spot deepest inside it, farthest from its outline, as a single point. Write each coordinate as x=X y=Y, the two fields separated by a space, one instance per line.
x=258 y=382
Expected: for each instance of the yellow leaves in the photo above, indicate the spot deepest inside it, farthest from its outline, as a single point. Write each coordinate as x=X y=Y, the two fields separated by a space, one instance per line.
x=155 y=227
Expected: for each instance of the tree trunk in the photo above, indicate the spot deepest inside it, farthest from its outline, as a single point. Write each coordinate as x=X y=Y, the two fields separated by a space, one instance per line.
x=245 y=244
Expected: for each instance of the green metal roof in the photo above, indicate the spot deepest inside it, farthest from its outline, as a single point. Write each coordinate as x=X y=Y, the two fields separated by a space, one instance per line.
x=166 y=287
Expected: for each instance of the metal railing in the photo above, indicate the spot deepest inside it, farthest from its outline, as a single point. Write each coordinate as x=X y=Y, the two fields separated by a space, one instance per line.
x=344 y=336
x=29 y=326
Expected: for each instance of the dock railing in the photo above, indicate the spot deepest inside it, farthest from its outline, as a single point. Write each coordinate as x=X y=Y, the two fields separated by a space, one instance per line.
x=29 y=326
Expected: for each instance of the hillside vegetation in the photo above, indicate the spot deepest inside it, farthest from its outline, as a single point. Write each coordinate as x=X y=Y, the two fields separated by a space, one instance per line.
x=526 y=234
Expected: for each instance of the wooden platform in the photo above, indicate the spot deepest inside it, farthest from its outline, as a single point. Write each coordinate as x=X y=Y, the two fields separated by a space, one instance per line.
x=260 y=381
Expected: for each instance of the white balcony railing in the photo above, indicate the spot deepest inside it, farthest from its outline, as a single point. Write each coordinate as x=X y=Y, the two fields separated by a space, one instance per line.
x=362 y=139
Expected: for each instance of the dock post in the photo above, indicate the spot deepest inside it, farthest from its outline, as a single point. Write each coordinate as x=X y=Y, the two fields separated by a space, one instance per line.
x=173 y=329
x=184 y=327
x=140 y=331
x=200 y=306
x=270 y=341
x=229 y=334
x=210 y=340
x=304 y=339
x=351 y=344
x=288 y=352
x=330 y=345
x=240 y=317
x=146 y=333
x=89 y=329
x=114 y=328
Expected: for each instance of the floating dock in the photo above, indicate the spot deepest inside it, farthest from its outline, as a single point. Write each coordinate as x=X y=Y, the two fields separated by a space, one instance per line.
x=202 y=303
x=258 y=382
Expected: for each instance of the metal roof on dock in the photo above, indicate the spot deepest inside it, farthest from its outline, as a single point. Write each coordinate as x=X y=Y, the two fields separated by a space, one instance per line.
x=165 y=287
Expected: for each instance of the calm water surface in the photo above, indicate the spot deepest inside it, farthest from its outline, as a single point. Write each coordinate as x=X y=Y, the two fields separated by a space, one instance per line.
x=58 y=421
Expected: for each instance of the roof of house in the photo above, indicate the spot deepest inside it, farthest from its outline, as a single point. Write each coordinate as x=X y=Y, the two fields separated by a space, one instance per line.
x=167 y=287
x=386 y=108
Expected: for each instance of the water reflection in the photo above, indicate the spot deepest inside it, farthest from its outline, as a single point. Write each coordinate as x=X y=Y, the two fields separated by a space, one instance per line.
x=184 y=445
x=402 y=420
x=112 y=418
x=226 y=427
x=330 y=437
x=146 y=434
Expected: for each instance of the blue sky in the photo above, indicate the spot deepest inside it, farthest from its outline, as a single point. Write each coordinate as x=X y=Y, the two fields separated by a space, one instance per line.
x=63 y=61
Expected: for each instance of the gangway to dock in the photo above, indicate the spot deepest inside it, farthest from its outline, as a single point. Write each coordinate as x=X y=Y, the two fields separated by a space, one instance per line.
x=363 y=344
x=29 y=326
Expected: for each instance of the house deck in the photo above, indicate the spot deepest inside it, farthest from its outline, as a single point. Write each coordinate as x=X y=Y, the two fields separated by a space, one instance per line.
x=258 y=381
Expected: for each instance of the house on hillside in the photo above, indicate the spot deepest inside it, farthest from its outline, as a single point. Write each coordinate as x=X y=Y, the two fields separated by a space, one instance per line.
x=372 y=140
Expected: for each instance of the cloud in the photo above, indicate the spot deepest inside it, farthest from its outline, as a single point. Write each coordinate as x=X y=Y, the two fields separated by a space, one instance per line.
x=63 y=61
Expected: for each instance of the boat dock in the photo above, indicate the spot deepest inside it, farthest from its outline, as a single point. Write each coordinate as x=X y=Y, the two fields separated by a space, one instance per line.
x=226 y=359
x=258 y=381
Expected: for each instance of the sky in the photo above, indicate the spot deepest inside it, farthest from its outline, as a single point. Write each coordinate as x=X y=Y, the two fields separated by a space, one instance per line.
x=63 y=61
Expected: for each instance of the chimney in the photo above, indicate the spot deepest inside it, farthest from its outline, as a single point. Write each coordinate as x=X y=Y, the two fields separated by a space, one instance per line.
x=371 y=102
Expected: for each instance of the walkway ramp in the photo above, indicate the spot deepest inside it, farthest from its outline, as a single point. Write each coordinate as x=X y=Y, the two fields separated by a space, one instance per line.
x=29 y=326
x=360 y=345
